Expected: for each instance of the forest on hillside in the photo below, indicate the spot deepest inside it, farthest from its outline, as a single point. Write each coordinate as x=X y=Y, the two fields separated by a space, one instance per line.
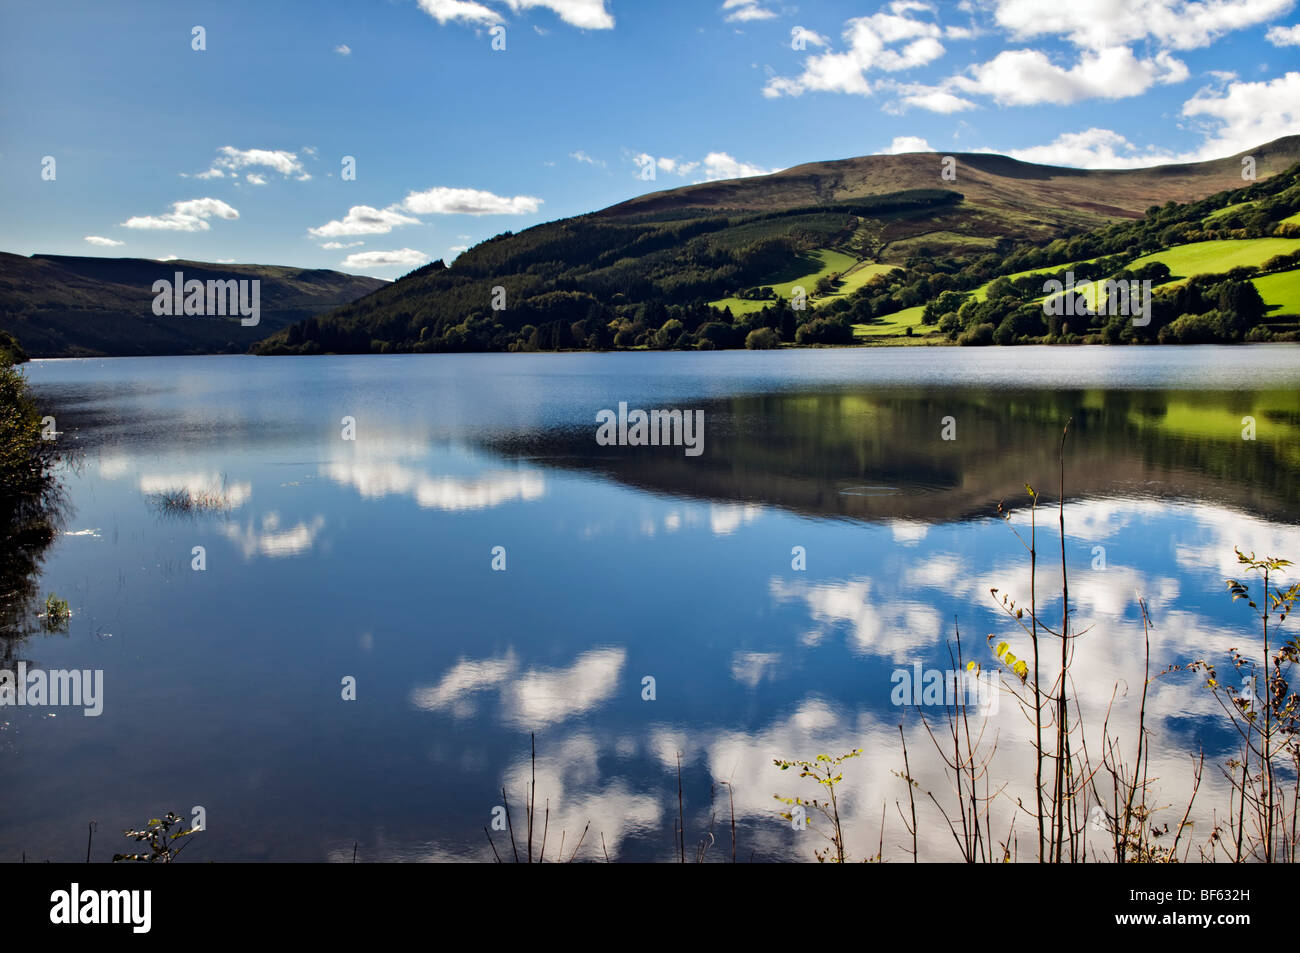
x=597 y=284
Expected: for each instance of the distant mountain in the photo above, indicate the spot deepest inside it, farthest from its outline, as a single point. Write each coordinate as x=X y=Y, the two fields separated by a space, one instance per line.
x=68 y=306
x=1001 y=197
x=867 y=242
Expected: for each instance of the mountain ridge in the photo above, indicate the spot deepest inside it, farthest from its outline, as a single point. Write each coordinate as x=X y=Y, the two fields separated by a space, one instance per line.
x=987 y=179
x=91 y=306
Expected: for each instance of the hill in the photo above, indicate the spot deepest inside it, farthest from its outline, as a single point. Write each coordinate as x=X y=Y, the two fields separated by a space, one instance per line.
x=1002 y=197
x=860 y=245
x=66 y=306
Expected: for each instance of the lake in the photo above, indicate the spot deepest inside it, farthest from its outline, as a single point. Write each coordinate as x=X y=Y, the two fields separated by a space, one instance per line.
x=475 y=568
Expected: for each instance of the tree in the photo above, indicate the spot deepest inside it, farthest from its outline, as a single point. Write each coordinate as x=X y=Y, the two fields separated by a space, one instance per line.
x=789 y=322
x=1025 y=321
x=762 y=339
x=1190 y=329
x=1001 y=288
x=1242 y=298
x=979 y=335
x=947 y=301
x=718 y=334
x=667 y=335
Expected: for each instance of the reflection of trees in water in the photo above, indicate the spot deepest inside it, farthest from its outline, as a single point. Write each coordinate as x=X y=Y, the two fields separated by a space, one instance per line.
x=30 y=522
x=815 y=452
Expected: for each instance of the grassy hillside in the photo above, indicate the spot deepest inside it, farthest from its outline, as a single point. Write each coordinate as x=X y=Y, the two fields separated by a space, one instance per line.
x=1003 y=197
x=1222 y=269
x=843 y=272
x=1219 y=257
x=871 y=240
x=1281 y=292
x=62 y=306
x=905 y=323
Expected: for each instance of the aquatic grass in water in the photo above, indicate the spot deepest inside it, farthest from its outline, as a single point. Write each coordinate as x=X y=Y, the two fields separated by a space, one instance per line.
x=187 y=502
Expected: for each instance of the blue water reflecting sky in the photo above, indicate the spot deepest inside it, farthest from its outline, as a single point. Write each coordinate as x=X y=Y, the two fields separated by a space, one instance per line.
x=372 y=559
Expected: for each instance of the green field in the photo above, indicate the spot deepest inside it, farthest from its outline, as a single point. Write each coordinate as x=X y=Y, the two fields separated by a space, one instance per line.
x=855 y=279
x=739 y=305
x=1210 y=258
x=805 y=273
x=1228 y=210
x=895 y=324
x=982 y=291
x=1281 y=292
x=1198 y=258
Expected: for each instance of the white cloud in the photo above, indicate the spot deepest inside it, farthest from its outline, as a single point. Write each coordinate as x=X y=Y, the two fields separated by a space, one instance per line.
x=445 y=201
x=671 y=166
x=464 y=11
x=1248 y=114
x=808 y=36
x=1241 y=117
x=186 y=216
x=343 y=49
x=1099 y=24
x=106 y=242
x=255 y=179
x=367 y=220
x=1025 y=77
x=712 y=168
x=584 y=14
x=231 y=160
x=743 y=11
x=1104 y=33
x=884 y=41
x=903 y=144
x=364 y=220
x=581 y=156
x=719 y=165
x=936 y=99
x=1285 y=35
x=385 y=259
x=334 y=246
x=1092 y=149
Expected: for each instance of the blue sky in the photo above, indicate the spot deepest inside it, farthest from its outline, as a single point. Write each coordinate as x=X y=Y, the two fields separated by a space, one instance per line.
x=235 y=152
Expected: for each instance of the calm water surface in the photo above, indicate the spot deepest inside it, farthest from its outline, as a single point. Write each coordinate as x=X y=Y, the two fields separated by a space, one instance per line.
x=373 y=559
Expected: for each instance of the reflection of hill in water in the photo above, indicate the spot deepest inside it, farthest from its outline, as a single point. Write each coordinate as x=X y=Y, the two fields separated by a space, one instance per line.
x=864 y=455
